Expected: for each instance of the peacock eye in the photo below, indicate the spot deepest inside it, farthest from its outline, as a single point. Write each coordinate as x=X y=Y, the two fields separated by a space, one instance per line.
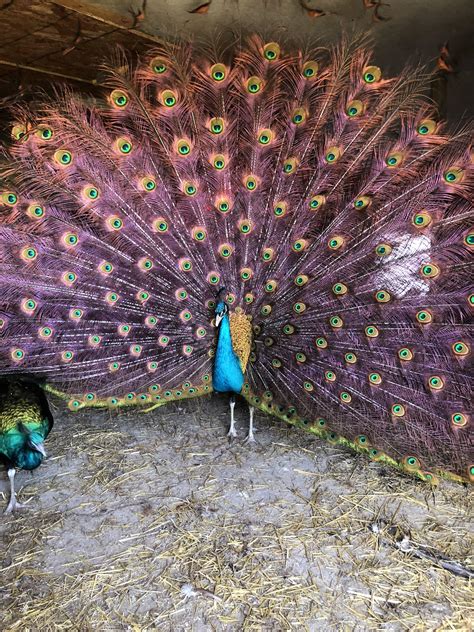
x=18 y=132
x=254 y=85
x=280 y=209
x=426 y=127
x=382 y=250
x=333 y=154
x=460 y=348
x=119 y=98
x=265 y=136
x=354 y=108
x=45 y=133
x=225 y=251
x=398 y=410
x=124 y=146
x=383 y=296
x=190 y=189
x=316 y=202
x=250 y=183
x=168 y=98
x=299 y=116
x=453 y=175
x=321 y=342
x=216 y=125
x=362 y=202
x=424 y=317
x=310 y=69
x=63 y=157
x=271 y=51
x=372 y=74
x=218 y=72
x=394 y=160
x=148 y=183
x=422 y=219
x=245 y=226
x=158 y=65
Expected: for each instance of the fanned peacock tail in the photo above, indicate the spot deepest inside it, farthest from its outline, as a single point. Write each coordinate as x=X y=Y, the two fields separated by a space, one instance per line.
x=324 y=197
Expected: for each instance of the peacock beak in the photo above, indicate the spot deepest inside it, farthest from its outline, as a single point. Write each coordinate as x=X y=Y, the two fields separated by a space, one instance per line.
x=39 y=447
x=219 y=317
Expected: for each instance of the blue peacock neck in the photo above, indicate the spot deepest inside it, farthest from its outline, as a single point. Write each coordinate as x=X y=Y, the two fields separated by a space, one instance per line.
x=227 y=373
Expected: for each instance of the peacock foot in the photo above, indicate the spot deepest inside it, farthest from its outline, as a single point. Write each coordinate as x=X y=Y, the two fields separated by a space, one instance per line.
x=13 y=506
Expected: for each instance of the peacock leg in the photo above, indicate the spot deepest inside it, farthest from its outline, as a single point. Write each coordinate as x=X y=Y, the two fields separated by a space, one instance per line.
x=250 y=438
x=13 y=505
x=232 y=432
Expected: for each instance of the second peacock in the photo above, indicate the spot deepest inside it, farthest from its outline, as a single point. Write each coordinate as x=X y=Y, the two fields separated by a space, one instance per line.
x=327 y=200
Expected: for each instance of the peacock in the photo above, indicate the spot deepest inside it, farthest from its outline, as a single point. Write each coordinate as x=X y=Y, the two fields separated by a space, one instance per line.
x=284 y=224
x=25 y=422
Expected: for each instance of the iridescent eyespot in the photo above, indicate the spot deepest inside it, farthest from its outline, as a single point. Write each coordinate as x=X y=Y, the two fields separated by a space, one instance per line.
x=28 y=305
x=223 y=204
x=44 y=132
x=269 y=341
x=299 y=116
x=111 y=297
x=459 y=420
x=123 y=330
x=185 y=315
x=45 y=332
x=429 y=271
x=151 y=321
x=271 y=286
x=460 y=348
x=145 y=264
x=75 y=313
x=371 y=331
x=200 y=332
x=265 y=136
x=168 y=98
x=308 y=386
x=336 y=242
x=114 y=223
x=421 y=219
x=329 y=376
x=198 y=233
x=332 y=154
x=372 y=74
x=350 y=358
x=276 y=363
x=299 y=245
x=135 y=350
x=436 y=383
x=354 y=108
x=213 y=278
x=382 y=296
x=310 y=69
x=317 y=201
x=340 y=289
x=268 y=254
x=245 y=226
x=225 y=250
x=266 y=310
x=29 y=254
x=17 y=355
x=253 y=84
x=216 y=125
x=345 y=397
x=453 y=175
x=469 y=239
x=67 y=356
x=185 y=265
x=336 y=322
x=424 y=316
x=123 y=146
x=321 y=342
x=119 y=98
x=375 y=378
x=183 y=147
x=362 y=202
x=288 y=329
x=398 y=410
x=163 y=341
x=63 y=157
x=394 y=160
x=69 y=278
x=271 y=51
x=411 y=463
x=383 y=250
x=70 y=239
x=159 y=65
x=18 y=132
x=250 y=183
x=94 y=340
x=249 y=298
x=160 y=225
x=301 y=280
x=90 y=192
x=362 y=441
x=280 y=209
x=405 y=354
x=426 y=126
x=218 y=72
x=105 y=267
x=189 y=188
x=148 y=184
x=290 y=165
x=218 y=161
x=9 y=198
x=35 y=211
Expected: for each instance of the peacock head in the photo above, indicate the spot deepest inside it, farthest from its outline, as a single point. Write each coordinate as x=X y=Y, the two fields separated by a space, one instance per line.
x=221 y=306
x=30 y=451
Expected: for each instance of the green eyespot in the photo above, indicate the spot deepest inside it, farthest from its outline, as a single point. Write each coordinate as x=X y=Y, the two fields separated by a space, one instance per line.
x=253 y=84
x=63 y=157
x=218 y=72
x=310 y=69
x=216 y=125
x=119 y=99
x=426 y=126
x=265 y=136
x=168 y=98
x=124 y=146
x=354 y=108
x=372 y=74
x=158 y=65
x=271 y=51
x=405 y=354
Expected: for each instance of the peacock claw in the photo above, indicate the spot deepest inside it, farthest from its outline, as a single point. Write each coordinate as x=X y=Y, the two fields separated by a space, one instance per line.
x=13 y=506
x=232 y=434
x=250 y=439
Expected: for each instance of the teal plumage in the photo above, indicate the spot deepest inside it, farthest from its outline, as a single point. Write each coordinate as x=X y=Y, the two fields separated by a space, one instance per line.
x=227 y=375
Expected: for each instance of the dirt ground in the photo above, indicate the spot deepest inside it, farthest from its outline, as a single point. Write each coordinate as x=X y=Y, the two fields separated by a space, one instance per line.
x=155 y=522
